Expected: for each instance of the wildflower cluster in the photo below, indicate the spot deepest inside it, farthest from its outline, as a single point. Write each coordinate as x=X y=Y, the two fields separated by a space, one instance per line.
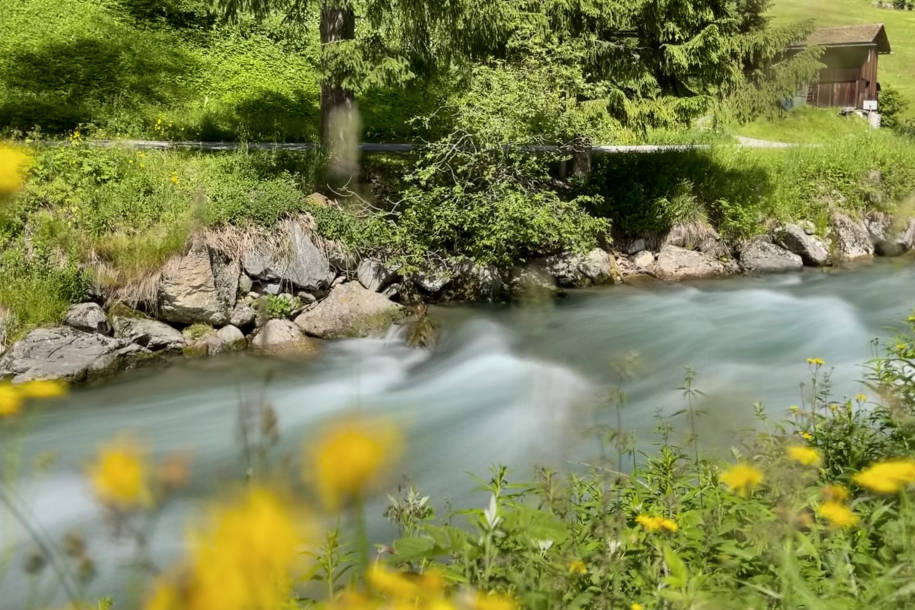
x=654 y=524
x=14 y=397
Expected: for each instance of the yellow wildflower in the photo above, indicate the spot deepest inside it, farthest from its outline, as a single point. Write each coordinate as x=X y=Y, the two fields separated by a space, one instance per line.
x=118 y=475
x=636 y=606
x=887 y=477
x=653 y=524
x=837 y=514
x=861 y=398
x=14 y=163
x=578 y=567
x=808 y=456
x=833 y=407
x=247 y=556
x=494 y=602
x=742 y=478
x=174 y=179
x=391 y=583
x=165 y=596
x=815 y=361
x=806 y=436
x=11 y=400
x=43 y=389
x=350 y=458
x=794 y=409
x=836 y=493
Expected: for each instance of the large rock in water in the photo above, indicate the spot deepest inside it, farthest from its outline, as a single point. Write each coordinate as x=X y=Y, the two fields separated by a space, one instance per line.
x=578 y=271
x=375 y=275
x=88 y=317
x=69 y=354
x=675 y=263
x=852 y=239
x=532 y=283
x=762 y=256
x=292 y=259
x=191 y=291
x=891 y=237
x=151 y=334
x=350 y=311
x=812 y=251
x=282 y=337
x=475 y=283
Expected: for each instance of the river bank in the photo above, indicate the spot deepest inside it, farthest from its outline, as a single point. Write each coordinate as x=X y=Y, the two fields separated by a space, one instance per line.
x=287 y=289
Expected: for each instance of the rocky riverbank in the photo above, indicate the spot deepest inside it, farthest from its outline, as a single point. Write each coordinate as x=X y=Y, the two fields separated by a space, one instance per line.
x=286 y=289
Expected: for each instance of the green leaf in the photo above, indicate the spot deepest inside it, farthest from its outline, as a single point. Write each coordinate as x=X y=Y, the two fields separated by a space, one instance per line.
x=678 y=573
x=412 y=548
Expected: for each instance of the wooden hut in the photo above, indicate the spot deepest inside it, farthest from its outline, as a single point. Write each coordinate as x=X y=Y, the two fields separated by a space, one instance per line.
x=850 y=75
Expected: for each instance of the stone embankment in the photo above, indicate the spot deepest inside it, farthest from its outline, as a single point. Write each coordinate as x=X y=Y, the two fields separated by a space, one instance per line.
x=286 y=289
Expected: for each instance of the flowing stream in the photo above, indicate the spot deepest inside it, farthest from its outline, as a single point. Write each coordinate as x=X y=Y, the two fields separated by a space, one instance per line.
x=516 y=385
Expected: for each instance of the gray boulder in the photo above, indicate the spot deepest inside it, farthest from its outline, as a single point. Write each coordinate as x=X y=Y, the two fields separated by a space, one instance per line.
x=375 y=275
x=891 y=237
x=226 y=339
x=643 y=261
x=475 y=283
x=696 y=235
x=350 y=311
x=532 y=282
x=796 y=239
x=292 y=259
x=432 y=281
x=242 y=316
x=676 y=263
x=68 y=354
x=572 y=270
x=282 y=336
x=852 y=240
x=762 y=256
x=188 y=290
x=231 y=337
x=88 y=317
x=153 y=335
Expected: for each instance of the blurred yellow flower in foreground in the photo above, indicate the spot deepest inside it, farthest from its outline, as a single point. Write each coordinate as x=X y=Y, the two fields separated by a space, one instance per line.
x=653 y=524
x=578 y=567
x=836 y=493
x=350 y=458
x=808 y=456
x=391 y=583
x=887 y=477
x=119 y=475
x=13 y=397
x=13 y=165
x=837 y=514
x=742 y=478
x=636 y=606
x=244 y=558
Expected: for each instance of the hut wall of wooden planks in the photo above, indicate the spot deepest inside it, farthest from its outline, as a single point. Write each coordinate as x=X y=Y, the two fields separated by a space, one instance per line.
x=851 y=60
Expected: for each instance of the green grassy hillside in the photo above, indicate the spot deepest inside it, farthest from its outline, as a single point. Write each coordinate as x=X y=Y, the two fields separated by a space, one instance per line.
x=897 y=69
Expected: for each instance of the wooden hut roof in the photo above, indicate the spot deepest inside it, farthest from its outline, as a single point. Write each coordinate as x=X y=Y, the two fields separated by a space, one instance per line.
x=851 y=36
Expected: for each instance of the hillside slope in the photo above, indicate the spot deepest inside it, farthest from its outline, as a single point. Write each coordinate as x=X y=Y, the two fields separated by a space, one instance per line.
x=897 y=69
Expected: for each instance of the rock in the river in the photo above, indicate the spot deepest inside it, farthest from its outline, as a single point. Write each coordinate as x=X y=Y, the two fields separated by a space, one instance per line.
x=532 y=282
x=242 y=316
x=154 y=335
x=282 y=336
x=88 y=317
x=812 y=250
x=231 y=337
x=475 y=283
x=350 y=311
x=891 y=237
x=65 y=353
x=226 y=339
x=375 y=275
x=762 y=256
x=675 y=263
x=432 y=281
x=572 y=270
x=188 y=291
x=696 y=235
x=292 y=259
x=644 y=261
x=852 y=239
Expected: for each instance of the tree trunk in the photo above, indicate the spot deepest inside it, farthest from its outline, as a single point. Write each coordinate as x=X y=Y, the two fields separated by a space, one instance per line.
x=337 y=24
